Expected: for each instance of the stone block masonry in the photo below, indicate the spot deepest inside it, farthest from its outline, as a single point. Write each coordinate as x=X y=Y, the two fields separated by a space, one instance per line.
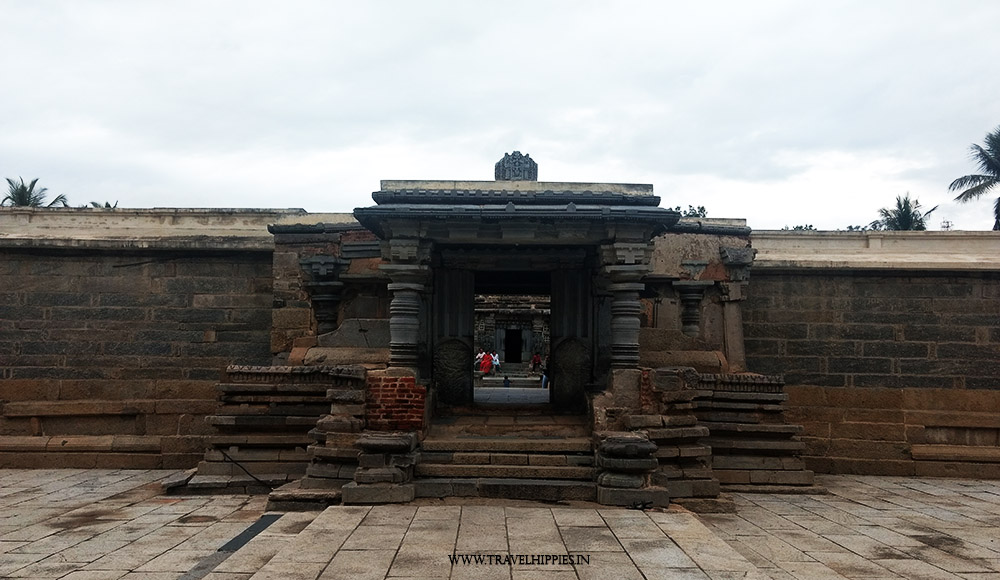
x=123 y=343
x=889 y=372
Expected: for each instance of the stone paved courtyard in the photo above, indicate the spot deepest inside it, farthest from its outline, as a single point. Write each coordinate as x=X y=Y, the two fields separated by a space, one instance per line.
x=110 y=524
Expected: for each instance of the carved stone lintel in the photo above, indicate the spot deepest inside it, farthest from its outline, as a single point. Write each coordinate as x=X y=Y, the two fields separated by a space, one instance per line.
x=691 y=293
x=516 y=167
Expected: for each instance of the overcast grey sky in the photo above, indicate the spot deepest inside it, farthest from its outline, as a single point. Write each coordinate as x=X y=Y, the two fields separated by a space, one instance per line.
x=783 y=113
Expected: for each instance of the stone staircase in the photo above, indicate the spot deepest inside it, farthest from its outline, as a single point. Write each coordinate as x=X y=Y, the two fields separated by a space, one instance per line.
x=753 y=448
x=536 y=457
x=263 y=422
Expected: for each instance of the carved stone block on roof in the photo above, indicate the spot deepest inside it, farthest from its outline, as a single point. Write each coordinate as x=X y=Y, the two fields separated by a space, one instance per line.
x=516 y=167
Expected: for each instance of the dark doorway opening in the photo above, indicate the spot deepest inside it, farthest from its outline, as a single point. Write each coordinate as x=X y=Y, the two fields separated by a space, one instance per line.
x=512 y=345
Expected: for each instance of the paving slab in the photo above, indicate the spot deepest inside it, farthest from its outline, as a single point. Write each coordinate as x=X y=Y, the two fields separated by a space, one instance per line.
x=80 y=524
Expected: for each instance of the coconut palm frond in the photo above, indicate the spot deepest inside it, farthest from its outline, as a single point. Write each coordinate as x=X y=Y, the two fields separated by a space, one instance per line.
x=974 y=186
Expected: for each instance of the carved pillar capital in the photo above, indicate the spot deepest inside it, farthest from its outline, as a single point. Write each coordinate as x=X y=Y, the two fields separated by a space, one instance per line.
x=626 y=254
x=399 y=251
x=324 y=288
x=738 y=261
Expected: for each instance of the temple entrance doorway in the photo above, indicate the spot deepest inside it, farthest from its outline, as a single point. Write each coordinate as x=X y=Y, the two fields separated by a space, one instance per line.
x=512 y=323
x=485 y=300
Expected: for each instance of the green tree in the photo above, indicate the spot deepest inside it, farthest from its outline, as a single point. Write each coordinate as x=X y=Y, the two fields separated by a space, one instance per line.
x=801 y=228
x=904 y=217
x=25 y=195
x=973 y=186
x=107 y=205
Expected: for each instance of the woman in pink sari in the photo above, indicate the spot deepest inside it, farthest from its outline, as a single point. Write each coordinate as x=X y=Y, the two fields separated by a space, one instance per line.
x=486 y=364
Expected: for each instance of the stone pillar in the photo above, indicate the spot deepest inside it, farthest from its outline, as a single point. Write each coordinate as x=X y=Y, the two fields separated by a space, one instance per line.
x=625 y=263
x=404 y=323
x=408 y=277
x=732 y=317
x=738 y=262
x=690 y=293
x=625 y=311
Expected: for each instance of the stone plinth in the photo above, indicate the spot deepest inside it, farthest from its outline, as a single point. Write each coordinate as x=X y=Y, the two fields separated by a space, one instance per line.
x=263 y=421
x=753 y=447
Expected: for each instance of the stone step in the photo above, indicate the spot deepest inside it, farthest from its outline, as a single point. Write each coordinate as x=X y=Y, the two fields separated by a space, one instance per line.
x=81 y=443
x=509 y=444
x=293 y=496
x=977 y=453
x=529 y=489
x=286 y=469
x=259 y=399
x=260 y=440
x=762 y=462
x=764 y=446
x=271 y=409
x=261 y=421
x=763 y=429
x=480 y=458
x=311 y=389
x=247 y=455
x=509 y=431
x=764 y=477
x=504 y=471
x=733 y=406
x=511 y=426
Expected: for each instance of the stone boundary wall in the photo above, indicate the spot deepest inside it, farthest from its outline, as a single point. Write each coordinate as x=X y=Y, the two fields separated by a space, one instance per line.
x=889 y=344
x=115 y=326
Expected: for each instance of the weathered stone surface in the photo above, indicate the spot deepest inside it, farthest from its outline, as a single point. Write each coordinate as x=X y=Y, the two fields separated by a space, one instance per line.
x=342 y=355
x=340 y=424
x=693 y=488
x=610 y=479
x=655 y=496
x=358 y=333
x=627 y=464
x=679 y=420
x=677 y=433
x=640 y=421
x=345 y=396
x=354 y=494
x=627 y=445
x=378 y=442
x=379 y=475
x=539 y=490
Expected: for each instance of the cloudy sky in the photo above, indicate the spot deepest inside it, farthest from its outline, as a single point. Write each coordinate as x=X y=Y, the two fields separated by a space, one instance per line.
x=784 y=113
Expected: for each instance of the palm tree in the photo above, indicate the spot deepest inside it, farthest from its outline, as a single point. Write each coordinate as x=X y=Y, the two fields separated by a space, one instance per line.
x=25 y=195
x=905 y=216
x=988 y=159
